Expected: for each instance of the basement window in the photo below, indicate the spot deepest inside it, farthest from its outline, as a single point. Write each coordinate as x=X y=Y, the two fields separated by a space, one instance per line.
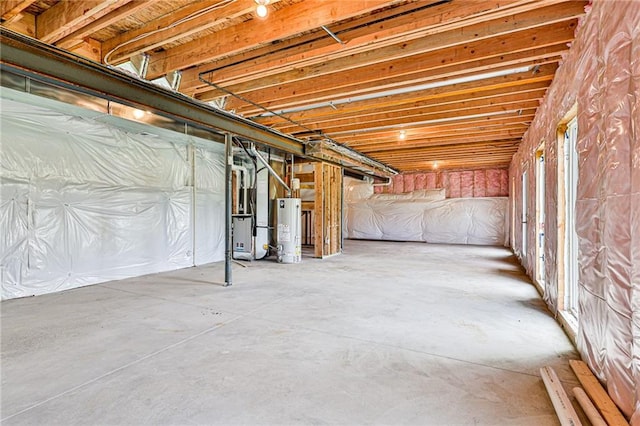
x=571 y=289
x=525 y=212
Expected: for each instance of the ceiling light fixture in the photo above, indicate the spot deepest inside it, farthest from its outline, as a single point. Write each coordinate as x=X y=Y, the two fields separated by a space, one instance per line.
x=138 y=113
x=435 y=165
x=261 y=9
x=402 y=135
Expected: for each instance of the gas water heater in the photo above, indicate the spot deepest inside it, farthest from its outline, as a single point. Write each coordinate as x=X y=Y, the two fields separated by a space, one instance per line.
x=289 y=230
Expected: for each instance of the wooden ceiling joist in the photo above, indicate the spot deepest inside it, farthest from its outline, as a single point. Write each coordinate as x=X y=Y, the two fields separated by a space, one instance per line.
x=519 y=34
x=358 y=34
x=11 y=9
x=285 y=23
x=430 y=66
x=461 y=78
x=184 y=22
x=67 y=17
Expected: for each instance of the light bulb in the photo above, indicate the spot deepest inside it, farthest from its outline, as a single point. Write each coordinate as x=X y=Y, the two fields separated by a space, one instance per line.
x=138 y=113
x=402 y=135
x=435 y=165
x=261 y=10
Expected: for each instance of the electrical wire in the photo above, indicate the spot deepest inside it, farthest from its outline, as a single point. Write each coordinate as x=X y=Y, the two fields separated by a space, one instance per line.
x=187 y=18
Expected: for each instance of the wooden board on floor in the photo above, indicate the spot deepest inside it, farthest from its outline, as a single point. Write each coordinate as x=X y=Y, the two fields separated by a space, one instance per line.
x=598 y=395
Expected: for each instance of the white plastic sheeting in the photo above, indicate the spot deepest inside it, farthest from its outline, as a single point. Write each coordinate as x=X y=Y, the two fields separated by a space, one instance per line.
x=84 y=202
x=423 y=216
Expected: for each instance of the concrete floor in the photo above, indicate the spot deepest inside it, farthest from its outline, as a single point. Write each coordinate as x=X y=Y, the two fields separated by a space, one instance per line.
x=387 y=333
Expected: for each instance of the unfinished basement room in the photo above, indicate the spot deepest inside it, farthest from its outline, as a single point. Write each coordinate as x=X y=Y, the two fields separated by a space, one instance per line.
x=320 y=212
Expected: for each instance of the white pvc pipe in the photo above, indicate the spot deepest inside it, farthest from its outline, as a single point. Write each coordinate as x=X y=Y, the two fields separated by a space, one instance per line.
x=564 y=410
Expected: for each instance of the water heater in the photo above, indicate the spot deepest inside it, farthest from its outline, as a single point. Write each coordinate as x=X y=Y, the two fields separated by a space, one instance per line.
x=289 y=230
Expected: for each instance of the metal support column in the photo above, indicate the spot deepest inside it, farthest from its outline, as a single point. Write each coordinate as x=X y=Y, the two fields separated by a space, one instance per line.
x=228 y=199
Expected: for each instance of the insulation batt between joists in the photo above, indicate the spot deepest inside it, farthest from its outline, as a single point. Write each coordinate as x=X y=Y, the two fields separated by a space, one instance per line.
x=457 y=184
x=601 y=75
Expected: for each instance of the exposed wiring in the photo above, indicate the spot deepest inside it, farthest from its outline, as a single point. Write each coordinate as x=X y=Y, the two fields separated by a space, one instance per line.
x=187 y=18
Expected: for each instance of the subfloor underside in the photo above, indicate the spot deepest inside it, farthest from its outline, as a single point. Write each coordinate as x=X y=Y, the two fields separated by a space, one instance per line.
x=386 y=333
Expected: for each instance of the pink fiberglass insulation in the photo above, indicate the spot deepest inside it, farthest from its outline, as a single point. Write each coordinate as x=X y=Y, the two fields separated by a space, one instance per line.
x=443 y=182
x=409 y=181
x=398 y=184
x=466 y=184
x=420 y=181
x=479 y=183
x=432 y=181
x=454 y=185
x=504 y=182
x=601 y=74
x=458 y=184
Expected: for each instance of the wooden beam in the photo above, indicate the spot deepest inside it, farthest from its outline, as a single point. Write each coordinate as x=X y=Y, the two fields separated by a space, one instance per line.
x=284 y=23
x=66 y=17
x=239 y=71
x=396 y=123
x=598 y=395
x=529 y=23
x=11 y=10
x=25 y=23
x=449 y=151
x=429 y=66
x=318 y=205
x=417 y=113
x=89 y=48
x=497 y=135
x=441 y=129
x=181 y=23
x=74 y=38
x=352 y=109
x=357 y=33
x=494 y=135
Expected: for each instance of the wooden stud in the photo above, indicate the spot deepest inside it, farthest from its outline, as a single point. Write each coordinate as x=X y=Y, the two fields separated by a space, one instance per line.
x=318 y=210
x=598 y=395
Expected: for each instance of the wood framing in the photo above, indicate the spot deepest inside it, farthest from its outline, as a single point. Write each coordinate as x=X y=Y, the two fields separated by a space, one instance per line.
x=594 y=389
x=466 y=75
x=327 y=209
